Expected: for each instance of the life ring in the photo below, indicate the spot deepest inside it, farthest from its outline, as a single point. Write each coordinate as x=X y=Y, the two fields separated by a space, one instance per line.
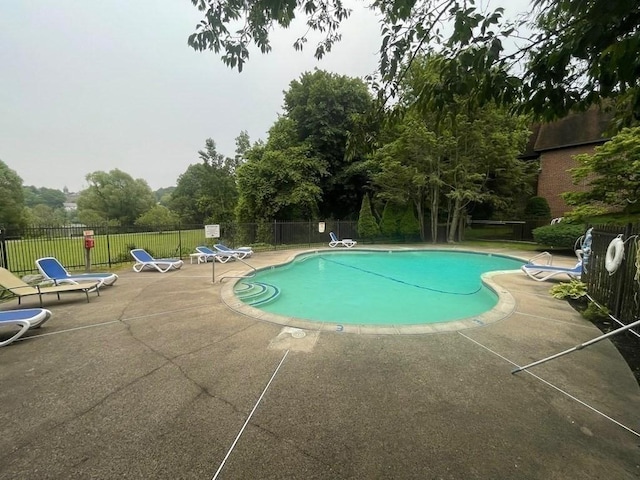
x=615 y=254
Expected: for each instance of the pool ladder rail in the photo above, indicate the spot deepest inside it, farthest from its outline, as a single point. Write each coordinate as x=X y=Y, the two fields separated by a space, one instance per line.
x=251 y=274
x=256 y=294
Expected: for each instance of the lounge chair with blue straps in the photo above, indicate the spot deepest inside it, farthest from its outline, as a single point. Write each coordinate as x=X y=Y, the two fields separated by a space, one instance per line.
x=144 y=260
x=23 y=320
x=241 y=252
x=345 y=242
x=53 y=270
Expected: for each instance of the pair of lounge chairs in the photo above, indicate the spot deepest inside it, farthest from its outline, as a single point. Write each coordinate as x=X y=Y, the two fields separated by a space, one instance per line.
x=223 y=253
x=540 y=268
x=22 y=319
x=345 y=242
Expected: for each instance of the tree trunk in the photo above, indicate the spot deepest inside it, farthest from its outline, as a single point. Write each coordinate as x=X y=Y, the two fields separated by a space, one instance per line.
x=455 y=219
x=435 y=205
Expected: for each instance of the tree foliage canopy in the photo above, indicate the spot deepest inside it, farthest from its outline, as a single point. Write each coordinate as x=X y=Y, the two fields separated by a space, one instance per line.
x=11 y=197
x=612 y=173
x=207 y=190
x=576 y=54
x=114 y=196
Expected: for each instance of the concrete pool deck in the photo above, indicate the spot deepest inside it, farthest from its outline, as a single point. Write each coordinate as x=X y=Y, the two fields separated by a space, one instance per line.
x=158 y=378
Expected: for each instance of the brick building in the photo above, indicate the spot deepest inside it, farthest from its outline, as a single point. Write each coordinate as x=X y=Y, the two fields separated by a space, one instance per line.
x=555 y=144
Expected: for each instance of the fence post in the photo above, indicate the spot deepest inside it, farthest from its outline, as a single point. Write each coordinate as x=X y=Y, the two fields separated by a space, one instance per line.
x=3 y=248
x=619 y=287
x=180 y=241
x=108 y=246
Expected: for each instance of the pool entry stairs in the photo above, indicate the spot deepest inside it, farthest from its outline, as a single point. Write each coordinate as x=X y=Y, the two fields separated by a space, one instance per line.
x=256 y=294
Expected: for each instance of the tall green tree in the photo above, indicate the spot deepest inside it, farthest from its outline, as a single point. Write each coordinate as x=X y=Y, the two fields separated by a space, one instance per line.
x=450 y=151
x=11 y=197
x=280 y=179
x=114 y=196
x=325 y=107
x=367 y=225
x=207 y=190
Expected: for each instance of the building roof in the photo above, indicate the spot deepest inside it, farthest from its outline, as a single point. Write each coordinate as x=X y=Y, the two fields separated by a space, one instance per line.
x=581 y=128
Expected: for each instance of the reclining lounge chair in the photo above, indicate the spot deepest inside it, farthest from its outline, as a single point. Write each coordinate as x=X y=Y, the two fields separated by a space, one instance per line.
x=542 y=272
x=9 y=282
x=144 y=260
x=240 y=253
x=53 y=270
x=345 y=242
x=24 y=320
x=210 y=255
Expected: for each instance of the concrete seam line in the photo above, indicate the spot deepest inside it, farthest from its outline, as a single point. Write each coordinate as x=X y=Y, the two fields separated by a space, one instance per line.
x=233 y=445
x=108 y=323
x=593 y=409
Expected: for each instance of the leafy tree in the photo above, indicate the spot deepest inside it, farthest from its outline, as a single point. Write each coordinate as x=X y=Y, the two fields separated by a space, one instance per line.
x=576 y=54
x=324 y=108
x=449 y=153
x=45 y=215
x=367 y=225
x=280 y=178
x=43 y=196
x=411 y=169
x=207 y=190
x=243 y=144
x=114 y=196
x=11 y=197
x=612 y=173
x=163 y=195
x=157 y=216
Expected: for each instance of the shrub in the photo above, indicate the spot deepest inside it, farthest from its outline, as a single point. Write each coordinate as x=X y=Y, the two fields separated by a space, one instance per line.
x=537 y=208
x=390 y=221
x=560 y=235
x=409 y=226
x=367 y=226
x=574 y=289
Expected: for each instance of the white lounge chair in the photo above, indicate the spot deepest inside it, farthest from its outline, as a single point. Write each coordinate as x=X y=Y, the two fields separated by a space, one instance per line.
x=345 y=242
x=144 y=260
x=24 y=320
x=542 y=272
x=241 y=252
x=53 y=270
x=209 y=254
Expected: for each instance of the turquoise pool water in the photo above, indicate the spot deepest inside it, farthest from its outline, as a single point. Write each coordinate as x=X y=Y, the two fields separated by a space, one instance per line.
x=377 y=288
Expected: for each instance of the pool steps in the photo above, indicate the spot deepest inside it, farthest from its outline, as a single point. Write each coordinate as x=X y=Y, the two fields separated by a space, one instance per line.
x=256 y=294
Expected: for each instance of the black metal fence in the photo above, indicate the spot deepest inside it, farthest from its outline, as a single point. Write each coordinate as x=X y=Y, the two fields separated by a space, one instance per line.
x=619 y=291
x=20 y=247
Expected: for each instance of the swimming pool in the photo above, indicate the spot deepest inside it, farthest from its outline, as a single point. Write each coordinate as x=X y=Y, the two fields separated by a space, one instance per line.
x=378 y=288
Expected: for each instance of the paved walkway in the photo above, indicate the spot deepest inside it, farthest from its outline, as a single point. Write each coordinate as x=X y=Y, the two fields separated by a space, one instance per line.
x=158 y=379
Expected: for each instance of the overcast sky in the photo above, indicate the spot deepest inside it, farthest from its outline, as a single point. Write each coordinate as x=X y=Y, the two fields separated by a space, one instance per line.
x=98 y=85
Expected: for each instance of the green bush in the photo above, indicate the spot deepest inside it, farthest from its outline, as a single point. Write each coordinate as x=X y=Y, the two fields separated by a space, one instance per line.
x=367 y=225
x=574 y=289
x=537 y=208
x=560 y=235
x=409 y=226
x=593 y=313
x=390 y=220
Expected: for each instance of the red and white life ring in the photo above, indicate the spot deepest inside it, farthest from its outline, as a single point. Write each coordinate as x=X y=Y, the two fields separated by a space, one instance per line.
x=615 y=254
